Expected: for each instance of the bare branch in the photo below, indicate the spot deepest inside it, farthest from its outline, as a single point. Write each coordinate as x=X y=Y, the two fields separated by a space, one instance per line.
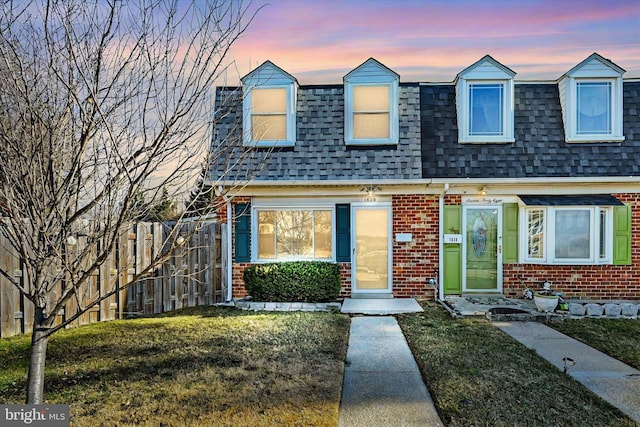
x=96 y=100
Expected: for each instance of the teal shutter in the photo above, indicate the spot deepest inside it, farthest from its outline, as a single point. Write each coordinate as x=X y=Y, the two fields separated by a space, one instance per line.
x=343 y=232
x=243 y=232
x=452 y=256
x=622 y=235
x=510 y=233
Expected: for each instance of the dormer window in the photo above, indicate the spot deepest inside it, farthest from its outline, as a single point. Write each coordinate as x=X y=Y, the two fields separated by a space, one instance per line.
x=484 y=98
x=269 y=107
x=591 y=99
x=371 y=105
x=593 y=102
x=371 y=111
x=486 y=109
x=269 y=114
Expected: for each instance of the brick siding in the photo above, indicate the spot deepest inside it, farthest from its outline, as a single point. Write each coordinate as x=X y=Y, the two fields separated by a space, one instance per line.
x=415 y=262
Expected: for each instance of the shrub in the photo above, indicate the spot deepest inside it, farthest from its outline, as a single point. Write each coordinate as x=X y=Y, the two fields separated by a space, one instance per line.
x=309 y=281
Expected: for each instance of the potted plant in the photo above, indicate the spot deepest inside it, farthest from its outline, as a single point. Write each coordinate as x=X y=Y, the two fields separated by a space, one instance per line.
x=546 y=299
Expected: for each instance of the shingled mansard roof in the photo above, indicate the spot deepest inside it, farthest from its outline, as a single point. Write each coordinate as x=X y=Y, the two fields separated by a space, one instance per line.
x=539 y=150
x=320 y=152
x=428 y=144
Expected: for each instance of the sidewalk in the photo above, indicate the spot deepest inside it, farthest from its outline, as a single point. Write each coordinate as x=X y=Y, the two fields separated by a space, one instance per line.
x=607 y=377
x=382 y=384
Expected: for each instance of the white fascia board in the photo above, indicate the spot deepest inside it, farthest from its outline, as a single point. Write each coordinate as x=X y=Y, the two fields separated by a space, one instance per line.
x=430 y=182
x=539 y=180
x=503 y=72
x=370 y=63
x=461 y=186
x=615 y=69
x=567 y=185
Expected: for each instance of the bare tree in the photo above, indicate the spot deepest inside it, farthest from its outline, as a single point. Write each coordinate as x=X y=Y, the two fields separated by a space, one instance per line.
x=96 y=98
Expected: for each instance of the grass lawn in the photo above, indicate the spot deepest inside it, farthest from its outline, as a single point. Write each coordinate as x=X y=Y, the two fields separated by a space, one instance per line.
x=204 y=366
x=618 y=338
x=479 y=376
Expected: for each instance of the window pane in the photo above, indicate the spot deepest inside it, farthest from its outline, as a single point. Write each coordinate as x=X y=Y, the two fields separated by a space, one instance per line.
x=485 y=109
x=594 y=108
x=603 y=235
x=269 y=128
x=535 y=235
x=266 y=235
x=573 y=234
x=294 y=233
x=288 y=234
x=269 y=100
x=371 y=125
x=370 y=98
x=322 y=234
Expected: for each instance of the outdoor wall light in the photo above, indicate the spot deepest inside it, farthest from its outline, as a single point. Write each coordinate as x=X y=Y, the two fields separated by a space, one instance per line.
x=483 y=191
x=371 y=190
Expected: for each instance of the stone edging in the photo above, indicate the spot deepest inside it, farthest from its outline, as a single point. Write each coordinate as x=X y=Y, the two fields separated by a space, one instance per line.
x=288 y=306
x=609 y=310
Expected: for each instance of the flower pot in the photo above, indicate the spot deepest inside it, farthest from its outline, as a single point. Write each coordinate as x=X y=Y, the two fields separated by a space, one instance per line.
x=545 y=303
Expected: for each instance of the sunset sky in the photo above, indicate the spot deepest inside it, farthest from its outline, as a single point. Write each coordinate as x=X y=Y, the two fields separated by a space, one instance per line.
x=319 y=41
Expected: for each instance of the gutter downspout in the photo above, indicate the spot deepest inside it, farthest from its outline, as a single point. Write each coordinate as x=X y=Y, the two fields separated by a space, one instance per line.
x=229 y=251
x=441 y=242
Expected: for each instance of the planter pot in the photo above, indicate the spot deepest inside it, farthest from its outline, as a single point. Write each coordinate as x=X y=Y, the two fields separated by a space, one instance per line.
x=545 y=303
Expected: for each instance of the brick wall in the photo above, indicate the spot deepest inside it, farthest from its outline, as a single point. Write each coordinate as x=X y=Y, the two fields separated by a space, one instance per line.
x=345 y=273
x=415 y=262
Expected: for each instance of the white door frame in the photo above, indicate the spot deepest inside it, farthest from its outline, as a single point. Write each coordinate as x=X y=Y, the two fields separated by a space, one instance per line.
x=371 y=206
x=498 y=289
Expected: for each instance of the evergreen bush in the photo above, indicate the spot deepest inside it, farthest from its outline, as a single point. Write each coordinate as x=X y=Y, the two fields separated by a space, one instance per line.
x=308 y=281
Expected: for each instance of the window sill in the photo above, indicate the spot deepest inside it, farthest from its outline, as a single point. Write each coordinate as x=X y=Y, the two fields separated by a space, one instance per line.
x=275 y=260
x=387 y=141
x=595 y=139
x=269 y=144
x=492 y=140
x=575 y=263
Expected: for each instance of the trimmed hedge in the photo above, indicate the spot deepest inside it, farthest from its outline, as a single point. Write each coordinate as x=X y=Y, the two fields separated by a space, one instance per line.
x=308 y=281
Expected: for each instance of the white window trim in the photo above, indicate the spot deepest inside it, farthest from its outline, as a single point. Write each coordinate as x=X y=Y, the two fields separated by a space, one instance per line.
x=548 y=245
x=290 y=207
x=393 y=114
x=616 y=108
x=290 y=140
x=507 y=113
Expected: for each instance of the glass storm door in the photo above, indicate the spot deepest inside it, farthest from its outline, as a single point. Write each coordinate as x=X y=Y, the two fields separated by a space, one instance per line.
x=371 y=260
x=482 y=249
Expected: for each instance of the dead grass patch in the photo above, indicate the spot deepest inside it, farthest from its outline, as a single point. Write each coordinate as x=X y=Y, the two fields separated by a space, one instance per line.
x=204 y=366
x=479 y=376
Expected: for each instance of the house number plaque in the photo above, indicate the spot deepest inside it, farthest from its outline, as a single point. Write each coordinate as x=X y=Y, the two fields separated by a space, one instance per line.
x=453 y=238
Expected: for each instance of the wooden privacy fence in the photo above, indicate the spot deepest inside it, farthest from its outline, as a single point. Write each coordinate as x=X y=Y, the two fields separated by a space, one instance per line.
x=194 y=275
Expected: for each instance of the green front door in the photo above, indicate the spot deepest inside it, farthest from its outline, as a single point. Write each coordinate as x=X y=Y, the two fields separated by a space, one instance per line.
x=482 y=249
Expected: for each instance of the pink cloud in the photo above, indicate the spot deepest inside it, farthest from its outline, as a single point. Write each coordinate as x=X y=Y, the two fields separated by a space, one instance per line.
x=322 y=41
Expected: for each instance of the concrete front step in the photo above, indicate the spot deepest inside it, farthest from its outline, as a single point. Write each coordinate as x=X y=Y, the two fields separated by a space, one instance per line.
x=380 y=306
x=379 y=295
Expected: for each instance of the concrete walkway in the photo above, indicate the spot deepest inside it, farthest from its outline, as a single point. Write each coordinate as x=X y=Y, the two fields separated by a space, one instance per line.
x=382 y=384
x=607 y=377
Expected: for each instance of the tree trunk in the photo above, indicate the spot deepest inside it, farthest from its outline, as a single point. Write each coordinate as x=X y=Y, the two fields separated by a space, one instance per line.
x=39 y=340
